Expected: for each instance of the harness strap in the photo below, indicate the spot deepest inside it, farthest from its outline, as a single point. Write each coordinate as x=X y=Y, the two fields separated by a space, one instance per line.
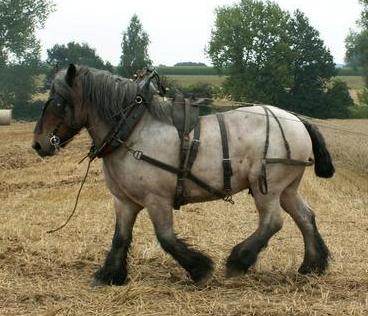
x=139 y=155
x=226 y=162
x=195 y=145
x=286 y=143
x=290 y=162
x=121 y=132
x=263 y=185
x=188 y=154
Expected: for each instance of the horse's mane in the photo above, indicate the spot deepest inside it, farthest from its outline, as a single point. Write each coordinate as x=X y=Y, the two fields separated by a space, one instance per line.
x=110 y=94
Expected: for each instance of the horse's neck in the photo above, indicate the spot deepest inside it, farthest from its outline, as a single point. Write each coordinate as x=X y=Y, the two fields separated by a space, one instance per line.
x=96 y=127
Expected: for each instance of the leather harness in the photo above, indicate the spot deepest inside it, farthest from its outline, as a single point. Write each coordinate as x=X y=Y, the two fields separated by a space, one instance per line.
x=185 y=123
x=188 y=150
x=263 y=186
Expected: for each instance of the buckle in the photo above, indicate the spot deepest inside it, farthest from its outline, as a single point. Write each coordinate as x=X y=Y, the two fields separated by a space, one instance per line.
x=137 y=154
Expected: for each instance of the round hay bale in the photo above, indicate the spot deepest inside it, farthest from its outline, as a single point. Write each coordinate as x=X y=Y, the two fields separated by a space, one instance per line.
x=5 y=117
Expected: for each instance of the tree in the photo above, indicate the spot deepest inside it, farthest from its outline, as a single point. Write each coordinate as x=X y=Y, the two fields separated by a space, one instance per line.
x=357 y=44
x=364 y=16
x=75 y=53
x=134 y=49
x=19 y=48
x=338 y=100
x=19 y=20
x=247 y=42
x=357 y=50
x=311 y=67
x=271 y=56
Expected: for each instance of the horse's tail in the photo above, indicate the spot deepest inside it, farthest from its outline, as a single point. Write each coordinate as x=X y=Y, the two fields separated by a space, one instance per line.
x=323 y=166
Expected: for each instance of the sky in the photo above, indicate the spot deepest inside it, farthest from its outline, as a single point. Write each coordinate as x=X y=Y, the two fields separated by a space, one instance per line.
x=179 y=30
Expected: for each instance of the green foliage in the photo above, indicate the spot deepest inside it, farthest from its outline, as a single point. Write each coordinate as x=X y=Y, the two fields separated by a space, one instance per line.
x=271 y=56
x=30 y=111
x=364 y=16
x=19 y=20
x=134 y=49
x=187 y=70
x=363 y=97
x=357 y=44
x=190 y=64
x=359 y=112
x=19 y=48
x=75 y=53
x=357 y=51
x=338 y=100
x=17 y=83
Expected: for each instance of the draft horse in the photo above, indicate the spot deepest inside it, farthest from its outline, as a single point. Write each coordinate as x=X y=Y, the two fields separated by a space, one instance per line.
x=82 y=97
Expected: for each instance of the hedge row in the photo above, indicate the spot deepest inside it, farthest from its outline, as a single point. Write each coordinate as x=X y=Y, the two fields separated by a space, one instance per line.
x=209 y=71
x=187 y=70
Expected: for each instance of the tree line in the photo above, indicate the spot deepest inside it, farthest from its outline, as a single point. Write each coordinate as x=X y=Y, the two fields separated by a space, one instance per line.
x=267 y=54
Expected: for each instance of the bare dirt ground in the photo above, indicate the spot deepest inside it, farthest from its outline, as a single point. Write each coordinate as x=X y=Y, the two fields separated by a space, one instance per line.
x=42 y=274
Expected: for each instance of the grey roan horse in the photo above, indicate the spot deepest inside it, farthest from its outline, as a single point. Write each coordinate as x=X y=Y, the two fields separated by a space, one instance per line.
x=82 y=97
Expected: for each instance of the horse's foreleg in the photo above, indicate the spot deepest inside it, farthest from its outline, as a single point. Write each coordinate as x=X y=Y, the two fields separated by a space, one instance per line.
x=245 y=254
x=316 y=253
x=194 y=262
x=114 y=270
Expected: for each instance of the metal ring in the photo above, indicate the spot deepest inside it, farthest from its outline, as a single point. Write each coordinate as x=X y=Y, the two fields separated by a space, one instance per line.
x=138 y=99
x=55 y=140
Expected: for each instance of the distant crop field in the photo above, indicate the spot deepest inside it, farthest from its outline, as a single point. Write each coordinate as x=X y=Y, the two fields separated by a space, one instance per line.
x=353 y=82
x=188 y=80
x=45 y=274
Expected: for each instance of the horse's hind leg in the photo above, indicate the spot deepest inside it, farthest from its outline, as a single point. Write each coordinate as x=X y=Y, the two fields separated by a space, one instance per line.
x=316 y=252
x=114 y=270
x=194 y=262
x=245 y=254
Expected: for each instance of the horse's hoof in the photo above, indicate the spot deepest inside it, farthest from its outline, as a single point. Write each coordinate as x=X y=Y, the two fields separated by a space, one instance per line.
x=233 y=273
x=203 y=271
x=311 y=269
x=97 y=283
x=104 y=278
x=204 y=280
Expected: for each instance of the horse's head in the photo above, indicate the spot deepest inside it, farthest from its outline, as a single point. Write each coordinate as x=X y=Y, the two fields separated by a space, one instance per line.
x=62 y=116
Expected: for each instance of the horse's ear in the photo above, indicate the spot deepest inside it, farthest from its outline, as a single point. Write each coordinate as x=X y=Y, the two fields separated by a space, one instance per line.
x=70 y=74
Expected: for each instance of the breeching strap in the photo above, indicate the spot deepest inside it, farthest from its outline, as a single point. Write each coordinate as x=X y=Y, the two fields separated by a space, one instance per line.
x=263 y=185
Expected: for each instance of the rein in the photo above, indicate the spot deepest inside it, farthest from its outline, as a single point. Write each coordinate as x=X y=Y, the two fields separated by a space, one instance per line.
x=76 y=201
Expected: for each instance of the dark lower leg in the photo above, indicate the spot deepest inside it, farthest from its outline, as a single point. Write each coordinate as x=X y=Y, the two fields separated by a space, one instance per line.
x=114 y=270
x=245 y=254
x=316 y=256
x=194 y=262
x=316 y=253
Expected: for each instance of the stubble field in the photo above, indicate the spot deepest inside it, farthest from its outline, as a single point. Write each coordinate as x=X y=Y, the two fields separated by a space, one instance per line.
x=42 y=274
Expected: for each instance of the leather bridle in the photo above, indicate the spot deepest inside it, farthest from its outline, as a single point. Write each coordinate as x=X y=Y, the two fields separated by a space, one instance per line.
x=60 y=112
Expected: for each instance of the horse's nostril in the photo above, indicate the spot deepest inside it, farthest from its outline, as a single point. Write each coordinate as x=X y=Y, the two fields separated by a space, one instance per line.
x=36 y=146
